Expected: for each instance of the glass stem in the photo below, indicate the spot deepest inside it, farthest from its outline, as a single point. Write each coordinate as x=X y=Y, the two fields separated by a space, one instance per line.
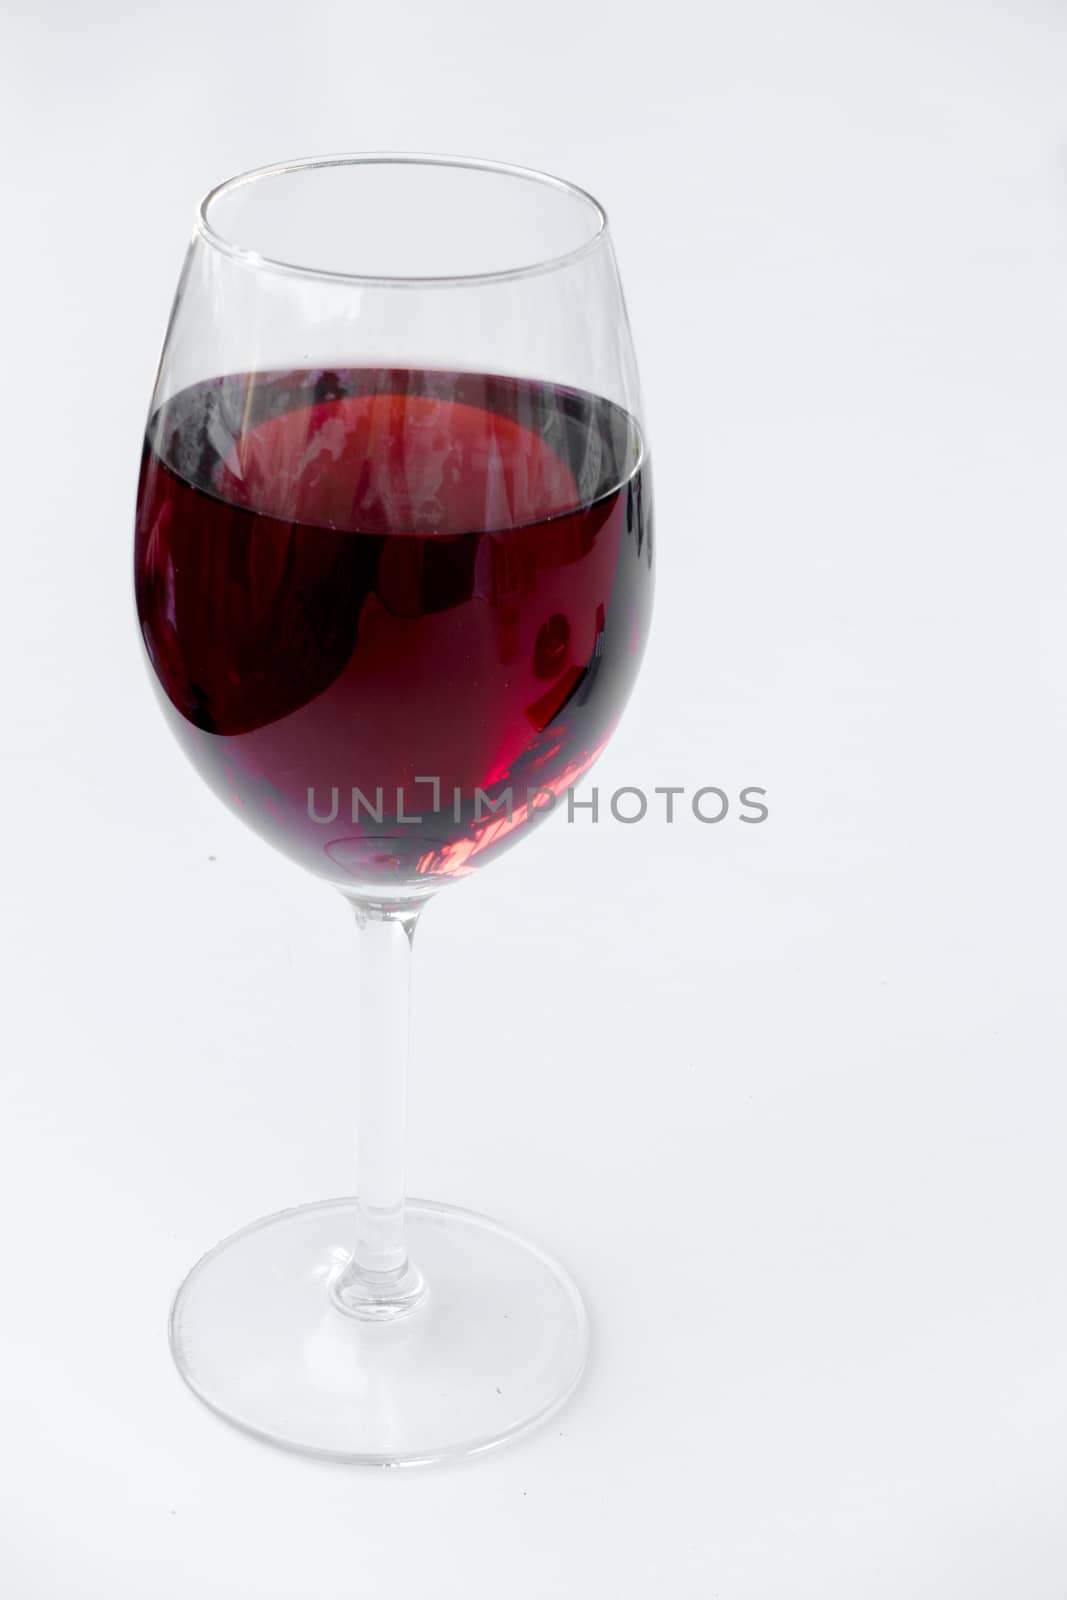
x=379 y=1282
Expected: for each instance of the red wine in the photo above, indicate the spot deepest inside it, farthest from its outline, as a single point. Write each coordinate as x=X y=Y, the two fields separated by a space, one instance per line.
x=353 y=582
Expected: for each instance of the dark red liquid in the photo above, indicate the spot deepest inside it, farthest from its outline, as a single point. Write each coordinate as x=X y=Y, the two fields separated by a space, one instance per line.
x=355 y=580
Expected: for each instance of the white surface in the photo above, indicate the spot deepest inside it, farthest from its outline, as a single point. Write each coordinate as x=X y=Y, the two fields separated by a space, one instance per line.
x=788 y=1100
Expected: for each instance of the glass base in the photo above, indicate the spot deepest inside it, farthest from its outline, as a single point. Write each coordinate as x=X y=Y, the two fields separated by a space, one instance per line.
x=494 y=1345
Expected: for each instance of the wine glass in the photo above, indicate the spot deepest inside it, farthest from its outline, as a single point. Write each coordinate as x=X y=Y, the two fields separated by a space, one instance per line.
x=393 y=573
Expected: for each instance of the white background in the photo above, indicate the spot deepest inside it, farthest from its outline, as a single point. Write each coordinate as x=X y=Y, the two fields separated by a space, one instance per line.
x=788 y=1100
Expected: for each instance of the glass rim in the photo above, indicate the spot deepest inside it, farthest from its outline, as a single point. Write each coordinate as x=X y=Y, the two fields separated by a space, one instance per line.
x=253 y=258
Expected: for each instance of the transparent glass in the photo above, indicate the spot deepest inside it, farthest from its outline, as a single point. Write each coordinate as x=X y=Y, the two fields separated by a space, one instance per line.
x=393 y=569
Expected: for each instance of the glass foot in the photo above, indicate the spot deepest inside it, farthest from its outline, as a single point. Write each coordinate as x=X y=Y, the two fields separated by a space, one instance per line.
x=494 y=1345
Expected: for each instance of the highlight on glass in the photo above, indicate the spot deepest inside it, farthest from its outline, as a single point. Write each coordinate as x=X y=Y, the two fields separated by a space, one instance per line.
x=393 y=570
